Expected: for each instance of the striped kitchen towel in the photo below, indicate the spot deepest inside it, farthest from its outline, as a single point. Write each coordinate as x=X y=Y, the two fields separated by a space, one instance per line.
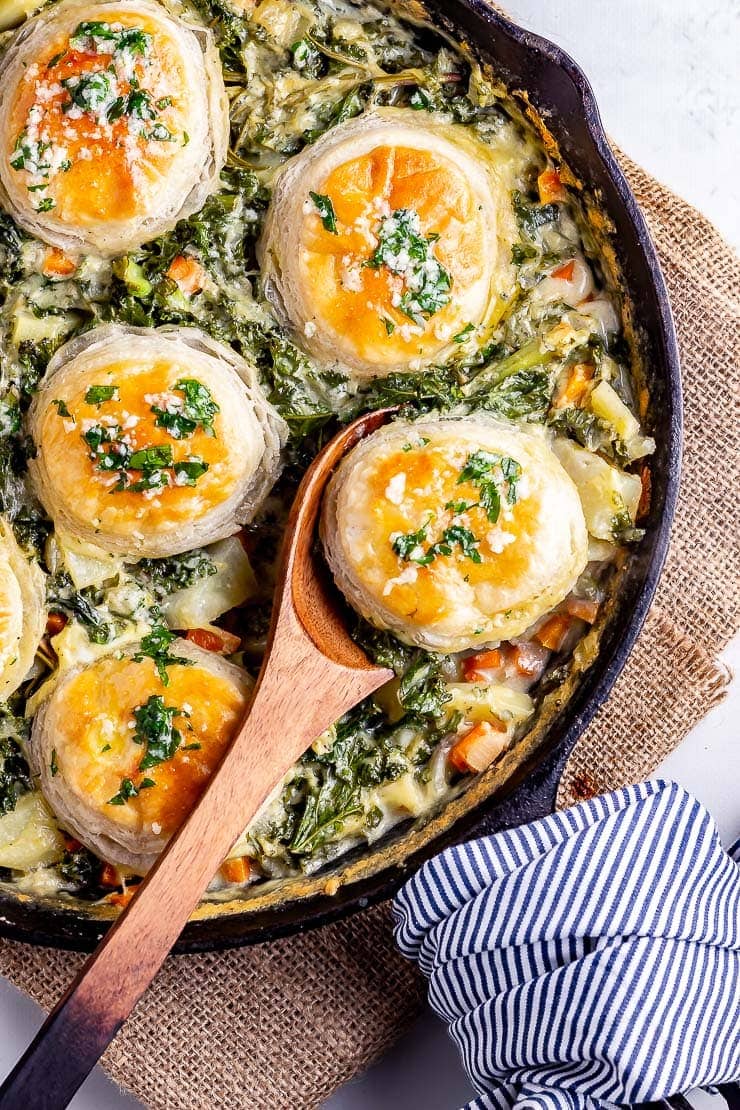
x=590 y=959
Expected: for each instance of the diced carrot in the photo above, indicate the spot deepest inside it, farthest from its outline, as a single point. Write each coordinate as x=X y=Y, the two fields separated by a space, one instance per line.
x=474 y=665
x=529 y=659
x=121 y=897
x=478 y=748
x=222 y=642
x=109 y=876
x=72 y=845
x=236 y=870
x=553 y=632
x=55 y=622
x=550 y=186
x=564 y=272
x=58 y=264
x=643 y=507
x=574 y=390
x=188 y=273
x=582 y=608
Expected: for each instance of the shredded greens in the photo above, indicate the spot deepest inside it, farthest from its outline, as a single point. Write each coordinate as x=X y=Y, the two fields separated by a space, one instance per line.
x=293 y=71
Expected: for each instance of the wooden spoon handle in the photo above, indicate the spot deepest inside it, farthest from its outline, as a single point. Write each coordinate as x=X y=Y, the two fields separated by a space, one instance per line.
x=288 y=706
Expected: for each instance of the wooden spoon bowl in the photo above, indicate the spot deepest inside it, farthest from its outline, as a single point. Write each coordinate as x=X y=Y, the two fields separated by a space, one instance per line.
x=312 y=673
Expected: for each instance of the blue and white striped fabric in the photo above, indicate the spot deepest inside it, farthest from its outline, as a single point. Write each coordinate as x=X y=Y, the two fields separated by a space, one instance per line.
x=590 y=959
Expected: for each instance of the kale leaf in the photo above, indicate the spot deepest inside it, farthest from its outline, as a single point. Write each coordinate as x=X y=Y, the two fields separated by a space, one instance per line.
x=15 y=776
x=175 y=572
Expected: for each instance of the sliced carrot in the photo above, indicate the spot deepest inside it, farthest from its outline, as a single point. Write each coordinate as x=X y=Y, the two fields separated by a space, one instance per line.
x=483 y=661
x=564 y=272
x=236 y=870
x=550 y=186
x=553 y=632
x=121 y=897
x=58 y=264
x=222 y=642
x=478 y=748
x=574 y=390
x=529 y=659
x=55 y=622
x=643 y=507
x=582 y=608
x=109 y=876
x=188 y=273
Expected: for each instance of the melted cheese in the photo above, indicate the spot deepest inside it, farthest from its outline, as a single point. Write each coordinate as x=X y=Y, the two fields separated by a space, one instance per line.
x=88 y=746
x=141 y=386
x=98 y=711
x=386 y=239
x=414 y=544
x=203 y=472
x=105 y=125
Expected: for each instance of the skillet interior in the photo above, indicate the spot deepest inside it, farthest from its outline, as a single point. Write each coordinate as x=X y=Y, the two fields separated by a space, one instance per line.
x=551 y=88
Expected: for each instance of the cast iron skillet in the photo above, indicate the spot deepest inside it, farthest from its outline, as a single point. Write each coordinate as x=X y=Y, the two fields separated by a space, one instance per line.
x=561 y=95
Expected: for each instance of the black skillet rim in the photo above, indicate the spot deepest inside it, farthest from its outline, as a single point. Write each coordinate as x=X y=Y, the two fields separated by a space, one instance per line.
x=531 y=792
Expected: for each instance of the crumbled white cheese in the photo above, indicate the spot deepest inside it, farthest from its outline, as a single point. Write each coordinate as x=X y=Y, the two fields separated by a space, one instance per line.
x=405 y=578
x=498 y=540
x=395 y=489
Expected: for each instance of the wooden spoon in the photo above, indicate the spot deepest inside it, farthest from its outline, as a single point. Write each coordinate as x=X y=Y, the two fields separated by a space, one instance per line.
x=311 y=674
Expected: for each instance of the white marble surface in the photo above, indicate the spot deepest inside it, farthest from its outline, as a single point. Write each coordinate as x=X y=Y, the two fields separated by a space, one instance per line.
x=665 y=75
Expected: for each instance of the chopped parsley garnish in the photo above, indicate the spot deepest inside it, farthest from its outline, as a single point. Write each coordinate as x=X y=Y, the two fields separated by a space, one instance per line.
x=89 y=91
x=409 y=546
x=493 y=475
x=62 y=409
x=189 y=471
x=457 y=534
x=156 y=646
x=390 y=327
x=99 y=394
x=30 y=156
x=197 y=410
x=148 y=468
x=481 y=470
x=126 y=790
x=46 y=205
x=404 y=250
x=137 y=104
x=325 y=209
x=104 y=38
x=153 y=463
x=156 y=731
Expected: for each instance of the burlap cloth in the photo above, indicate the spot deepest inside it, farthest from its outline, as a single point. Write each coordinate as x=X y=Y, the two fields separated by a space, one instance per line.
x=278 y=1027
